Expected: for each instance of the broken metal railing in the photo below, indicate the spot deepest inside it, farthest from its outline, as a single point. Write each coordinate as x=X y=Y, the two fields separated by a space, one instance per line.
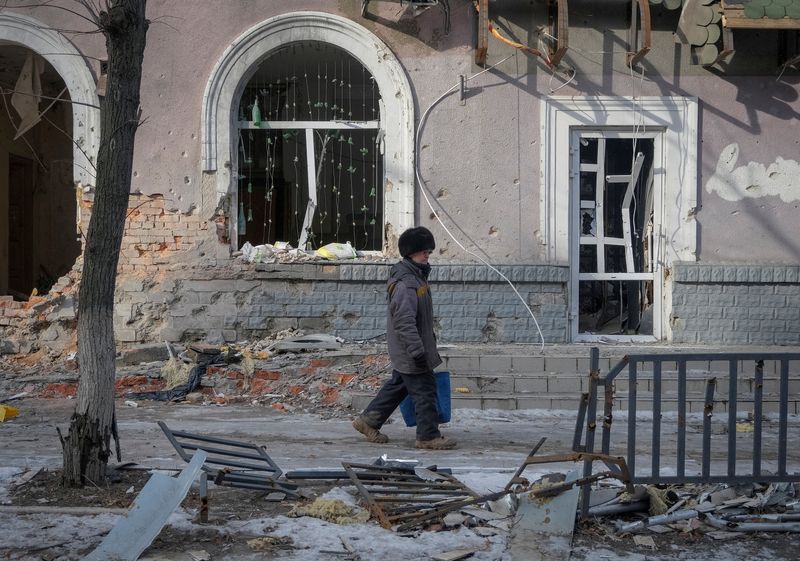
x=409 y=497
x=736 y=365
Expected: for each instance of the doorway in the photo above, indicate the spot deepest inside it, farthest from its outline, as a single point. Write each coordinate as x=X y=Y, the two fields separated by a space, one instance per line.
x=616 y=206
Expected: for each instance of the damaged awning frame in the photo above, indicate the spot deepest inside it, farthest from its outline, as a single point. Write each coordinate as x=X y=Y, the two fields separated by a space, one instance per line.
x=406 y=498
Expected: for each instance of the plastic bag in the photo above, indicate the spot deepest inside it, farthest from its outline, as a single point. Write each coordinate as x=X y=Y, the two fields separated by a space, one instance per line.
x=257 y=254
x=337 y=251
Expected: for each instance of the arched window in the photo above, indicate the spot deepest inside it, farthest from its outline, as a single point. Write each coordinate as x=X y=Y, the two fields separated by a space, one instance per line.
x=310 y=168
x=290 y=45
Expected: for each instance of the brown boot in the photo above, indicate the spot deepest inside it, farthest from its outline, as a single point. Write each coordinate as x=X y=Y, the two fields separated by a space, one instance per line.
x=373 y=435
x=440 y=443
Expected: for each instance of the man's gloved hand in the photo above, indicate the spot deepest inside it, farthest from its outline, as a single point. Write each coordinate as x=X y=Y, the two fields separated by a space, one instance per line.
x=421 y=362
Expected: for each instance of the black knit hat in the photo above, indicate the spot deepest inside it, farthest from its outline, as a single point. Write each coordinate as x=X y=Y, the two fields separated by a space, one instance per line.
x=415 y=239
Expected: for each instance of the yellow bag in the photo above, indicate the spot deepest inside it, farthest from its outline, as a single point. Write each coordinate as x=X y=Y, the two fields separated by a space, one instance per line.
x=7 y=412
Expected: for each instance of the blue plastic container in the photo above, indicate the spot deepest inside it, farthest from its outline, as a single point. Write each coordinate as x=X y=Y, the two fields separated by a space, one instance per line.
x=442 y=401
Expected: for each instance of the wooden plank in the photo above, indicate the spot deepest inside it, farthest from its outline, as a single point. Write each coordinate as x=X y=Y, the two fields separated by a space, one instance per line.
x=562 y=33
x=483 y=32
x=734 y=18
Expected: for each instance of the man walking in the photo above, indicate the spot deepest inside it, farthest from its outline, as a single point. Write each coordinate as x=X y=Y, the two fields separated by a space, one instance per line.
x=412 y=347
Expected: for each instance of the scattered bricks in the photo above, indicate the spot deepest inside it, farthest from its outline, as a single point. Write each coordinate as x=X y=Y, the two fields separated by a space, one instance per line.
x=344 y=379
x=381 y=361
x=320 y=362
x=260 y=387
x=130 y=381
x=212 y=371
x=232 y=374
x=296 y=389
x=267 y=375
x=279 y=407
x=59 y=390
x=372 y=382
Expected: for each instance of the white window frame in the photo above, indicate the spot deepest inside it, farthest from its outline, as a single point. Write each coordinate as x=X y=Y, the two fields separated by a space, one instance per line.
x=676 y=116
x=656 y=271
x=241 y=60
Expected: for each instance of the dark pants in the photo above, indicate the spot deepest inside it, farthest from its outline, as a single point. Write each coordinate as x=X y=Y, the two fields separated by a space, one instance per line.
x=421 y=388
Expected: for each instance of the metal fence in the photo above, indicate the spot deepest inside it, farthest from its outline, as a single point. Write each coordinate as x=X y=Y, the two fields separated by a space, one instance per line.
x=731 y=371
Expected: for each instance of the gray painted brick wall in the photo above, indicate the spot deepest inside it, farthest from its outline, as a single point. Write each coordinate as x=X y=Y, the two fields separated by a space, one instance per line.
x=736 y=304
x=471 y=304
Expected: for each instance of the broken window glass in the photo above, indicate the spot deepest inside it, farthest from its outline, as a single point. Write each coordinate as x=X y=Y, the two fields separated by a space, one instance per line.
x=615 y=224
x=310 y=169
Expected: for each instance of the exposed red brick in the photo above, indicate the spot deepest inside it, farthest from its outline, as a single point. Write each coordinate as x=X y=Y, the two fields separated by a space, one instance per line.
x=296 y=389
x=375 y=360
x=330 y=395
x=320 y=362
x=234 y=375
x=260 y=387
x=59 y=390
x=130 y=381
x=278 y=406
x=344 y=379
x=267 y=375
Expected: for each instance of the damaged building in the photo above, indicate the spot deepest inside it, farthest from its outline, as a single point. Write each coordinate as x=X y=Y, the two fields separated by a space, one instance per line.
x=631 y=167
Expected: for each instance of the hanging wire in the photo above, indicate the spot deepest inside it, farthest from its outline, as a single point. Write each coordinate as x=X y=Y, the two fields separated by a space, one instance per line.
x=425 y=193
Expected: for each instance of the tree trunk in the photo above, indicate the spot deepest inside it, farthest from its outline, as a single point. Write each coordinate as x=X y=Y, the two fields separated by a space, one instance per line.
x=87 y=447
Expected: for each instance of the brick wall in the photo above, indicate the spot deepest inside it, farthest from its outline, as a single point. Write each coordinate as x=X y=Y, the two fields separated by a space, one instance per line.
x=736 y=304
x=238 y=301
x=154 y=234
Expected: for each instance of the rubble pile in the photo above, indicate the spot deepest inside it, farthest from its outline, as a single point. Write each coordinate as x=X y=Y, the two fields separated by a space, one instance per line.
x=721 y=511
x=41 y=329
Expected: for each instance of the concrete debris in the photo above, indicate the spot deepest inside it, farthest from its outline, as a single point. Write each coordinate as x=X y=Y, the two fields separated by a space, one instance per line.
x=453 y=555
x=153 y=506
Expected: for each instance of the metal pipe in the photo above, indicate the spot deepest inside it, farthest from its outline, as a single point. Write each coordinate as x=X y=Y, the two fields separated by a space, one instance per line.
x=752 y=526
x=768 y=517
x=660 y=519
x=620 y=508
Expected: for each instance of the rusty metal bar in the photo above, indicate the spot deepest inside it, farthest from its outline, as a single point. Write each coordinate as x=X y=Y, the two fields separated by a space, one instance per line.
x=708 y=411
x=632 y=417
x=374 y=507
x=733 y=377
x=483 y=32
x=644 y=12
x=515 y=478
x=562 y=33
x=576 y=439
x=591 y=425
x=681 y=459
x=608 y=416
x=758 y=396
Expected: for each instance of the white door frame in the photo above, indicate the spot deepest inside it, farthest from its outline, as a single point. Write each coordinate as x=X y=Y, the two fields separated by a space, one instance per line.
x=676 y=116
x=656 y=271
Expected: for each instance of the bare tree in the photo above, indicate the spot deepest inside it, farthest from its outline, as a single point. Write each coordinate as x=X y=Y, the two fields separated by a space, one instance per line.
x=87 y=446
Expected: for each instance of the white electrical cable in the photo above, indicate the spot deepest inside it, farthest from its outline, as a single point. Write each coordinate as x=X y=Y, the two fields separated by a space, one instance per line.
x=424 y=190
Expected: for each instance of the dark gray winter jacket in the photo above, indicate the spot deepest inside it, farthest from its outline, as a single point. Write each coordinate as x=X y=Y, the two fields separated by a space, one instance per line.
x=409 y=325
